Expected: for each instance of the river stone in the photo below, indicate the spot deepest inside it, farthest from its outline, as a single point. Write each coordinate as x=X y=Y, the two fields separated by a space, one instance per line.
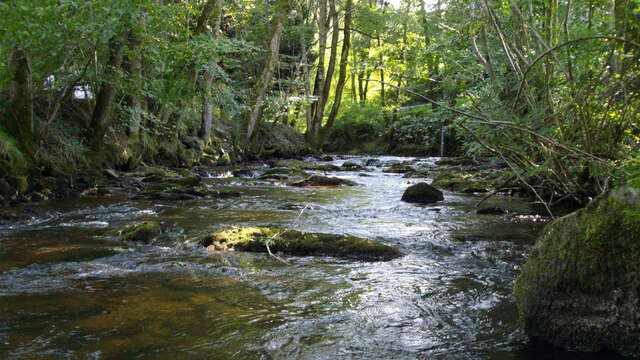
x=285 y=171
x=580 y=288
x=399 y=168
x=319 y=180
x=422 y=193
x=292 y=242
x=243 y=173
x=141 y=232
x=351 y=166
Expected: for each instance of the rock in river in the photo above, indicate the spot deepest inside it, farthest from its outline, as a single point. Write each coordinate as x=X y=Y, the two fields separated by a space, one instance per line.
x=580 y=288
x=141 y=232
x=422 y=193
x=319 y=180
x=298 y=243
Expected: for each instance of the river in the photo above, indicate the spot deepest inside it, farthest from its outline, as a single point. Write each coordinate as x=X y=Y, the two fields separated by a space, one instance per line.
x=70 y=291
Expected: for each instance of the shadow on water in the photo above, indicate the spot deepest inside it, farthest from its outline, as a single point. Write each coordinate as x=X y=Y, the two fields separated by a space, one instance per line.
x=69 y=290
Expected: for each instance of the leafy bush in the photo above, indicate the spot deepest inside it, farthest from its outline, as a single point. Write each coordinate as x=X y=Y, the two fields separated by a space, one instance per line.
x=356 y=124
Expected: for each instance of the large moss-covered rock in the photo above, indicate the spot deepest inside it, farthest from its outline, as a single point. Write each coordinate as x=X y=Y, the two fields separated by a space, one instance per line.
x=422 y=193
x=297 y=243
x=352 y=166
x=580 y=288
x=181 y=188
x=142 y=232
x=322 y=181
x=284 y=171
x=399 y=168
x=304 y=165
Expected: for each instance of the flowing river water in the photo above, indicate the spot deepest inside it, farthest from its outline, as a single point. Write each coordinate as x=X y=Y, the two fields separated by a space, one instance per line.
x=70 y=291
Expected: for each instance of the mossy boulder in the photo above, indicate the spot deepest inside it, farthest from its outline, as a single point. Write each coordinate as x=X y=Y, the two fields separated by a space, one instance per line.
x=460 y=182
x=422 y=193
x=323 y=181
x=141 y=232
x=304 y=165
x=184 y=188
x=285 y=172
x=399 y=168
x=351 y=166
x=292 y=242
x=180 y=181
x=580 y=288
x=149 y=171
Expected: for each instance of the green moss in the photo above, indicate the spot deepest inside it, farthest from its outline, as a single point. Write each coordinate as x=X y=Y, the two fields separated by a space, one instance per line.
x=298 y=243
x=143 y=232
x=12 y=160
x=322 y=181
x=579 y=262
x=399 y=169
x=155 y=171
x=467 y=183
x=293 y=172
x=305 y=165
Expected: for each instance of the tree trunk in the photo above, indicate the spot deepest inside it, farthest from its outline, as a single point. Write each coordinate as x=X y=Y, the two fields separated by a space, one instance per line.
x=318 y=84
x=207 y=107
x=335 y=36
x=282 y=8
x=134 y=71
x=100 y=117
x=212 y=10
x=342 y=75
x=19 y=121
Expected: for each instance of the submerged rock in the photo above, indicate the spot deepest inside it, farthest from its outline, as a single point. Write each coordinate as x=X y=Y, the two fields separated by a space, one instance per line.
x=580 y=288
x=422 y=193
x=297 y=243
x=319 y=180
x=141 y=232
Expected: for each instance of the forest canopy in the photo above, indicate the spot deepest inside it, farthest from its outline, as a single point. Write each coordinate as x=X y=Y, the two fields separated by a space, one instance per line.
x=550 y=88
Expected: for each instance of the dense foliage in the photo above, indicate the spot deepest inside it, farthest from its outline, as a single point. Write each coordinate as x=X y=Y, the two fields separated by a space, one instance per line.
x=550 y=88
